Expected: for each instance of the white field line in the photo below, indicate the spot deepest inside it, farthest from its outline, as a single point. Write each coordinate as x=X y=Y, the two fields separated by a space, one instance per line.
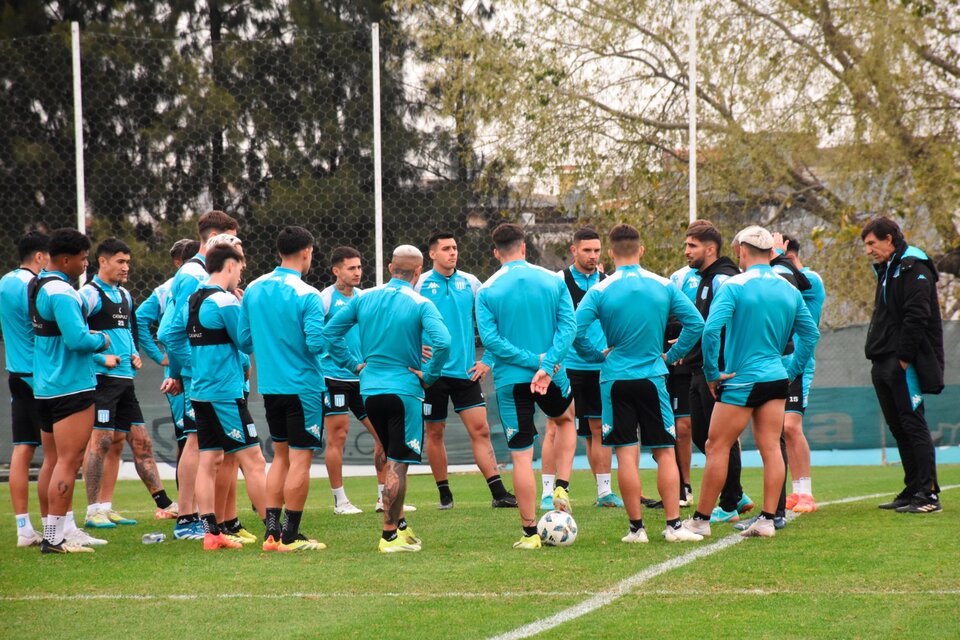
x=627 y=585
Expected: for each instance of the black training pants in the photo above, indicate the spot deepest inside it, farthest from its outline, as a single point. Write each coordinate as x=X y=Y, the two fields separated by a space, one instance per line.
x=701 y=409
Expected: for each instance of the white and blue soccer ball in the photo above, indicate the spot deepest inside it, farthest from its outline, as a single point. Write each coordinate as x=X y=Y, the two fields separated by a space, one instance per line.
x=557 y=529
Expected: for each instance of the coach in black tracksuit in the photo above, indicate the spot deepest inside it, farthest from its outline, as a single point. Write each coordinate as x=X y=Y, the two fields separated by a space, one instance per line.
x=905 y=344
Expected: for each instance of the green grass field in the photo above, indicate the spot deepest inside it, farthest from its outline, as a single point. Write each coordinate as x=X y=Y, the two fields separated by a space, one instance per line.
x=849 y=570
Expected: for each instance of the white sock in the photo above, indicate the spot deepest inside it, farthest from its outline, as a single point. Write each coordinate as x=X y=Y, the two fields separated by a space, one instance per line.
x=339 y=497
x=547 y=481
x=806 y=486
x=92 y=509
x=53 y=529
x=798 y=486
x=69 y=524
x=603 y=485
x=24 y=526
x=106 y=506
x=380 y=492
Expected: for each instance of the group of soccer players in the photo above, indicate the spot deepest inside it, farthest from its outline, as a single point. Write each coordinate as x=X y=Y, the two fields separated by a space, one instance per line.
x=591 y=350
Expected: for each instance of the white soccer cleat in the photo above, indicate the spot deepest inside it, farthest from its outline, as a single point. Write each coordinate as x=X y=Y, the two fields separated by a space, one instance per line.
x=697 y=527
x=346 y=509
x=638 y=536
x=80 y=538
x=32 y=539
x=681 y=534
x=409 y=508
x=760 y=528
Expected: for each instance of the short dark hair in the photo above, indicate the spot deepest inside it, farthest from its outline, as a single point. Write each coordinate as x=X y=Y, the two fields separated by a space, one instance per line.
x=111 y=247
x=343 y=253
x=704 y=231
x=32 y=242
x=437 y=236
x=507 y=237
x=68 y=242
x=217 y=222
x=624 y=240
x=293 y=240
x=184 y=249
x=586 y=233
x=217 y=257
x=881 y=227
x=793 y=245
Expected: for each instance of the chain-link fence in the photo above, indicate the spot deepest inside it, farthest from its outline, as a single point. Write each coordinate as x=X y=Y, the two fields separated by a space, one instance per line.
x=279 y=130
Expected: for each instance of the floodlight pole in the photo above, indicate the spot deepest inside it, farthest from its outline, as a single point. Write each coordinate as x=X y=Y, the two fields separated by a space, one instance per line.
x=78 y=132
x=692 y=108
x=377 y=171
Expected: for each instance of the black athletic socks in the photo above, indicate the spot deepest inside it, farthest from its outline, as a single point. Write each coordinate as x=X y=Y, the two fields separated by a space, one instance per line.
x=768 y=516
x=389 y=536
x=291 y=526
x=272 y=522
x=674 y=524
x=402 y=525
x=231 y=526
x=161 y=499
x=210 y=523
x=636 y=525
x=530 y=531
x=699 y=516
x=495 y=484
x=446 y=496
x=187 y=518
x=563 y=484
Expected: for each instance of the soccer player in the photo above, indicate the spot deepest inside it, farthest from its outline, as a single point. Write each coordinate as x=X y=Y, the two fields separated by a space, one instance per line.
x=281 y=320
x=584 y=376
x=525 y=317
x=905 y=345
x=343 y=386
x=172 y=333
x=118 y=416
x=702 y=252
x=391 y=320
x=33 y=256
x=760 y=312
x=453 y=293
x=224 y=425
x=64 y=378
x=633 y=380
x=148 y=316
x=798 y=450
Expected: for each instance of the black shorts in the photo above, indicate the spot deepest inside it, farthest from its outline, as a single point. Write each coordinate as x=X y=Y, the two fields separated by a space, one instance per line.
x=586 y=399
x=637 y=412
x=795 y=402
x=752 y=394
x=117 y=405
x=53 y=410
x=398 y=421
x=26 y=413
x=517 y=405
x=224 y=425
x=344 y=395
x=465 y=393
x=678 y=384
x=295 y=419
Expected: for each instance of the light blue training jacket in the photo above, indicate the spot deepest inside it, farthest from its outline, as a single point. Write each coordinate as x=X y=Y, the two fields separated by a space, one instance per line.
x=18 y=335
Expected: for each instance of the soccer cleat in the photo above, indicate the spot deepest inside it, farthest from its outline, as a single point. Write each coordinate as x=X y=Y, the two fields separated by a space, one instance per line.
x=805 y=504
x=680 y=534
x=213 y=542
x=779 y=522
x=116 y=518
x=399 y=544
x=650 y=503
x=99 y=520
x=407 y=507
x=187 y=531
x=719 y=515
x=445 y=503
x=245 y=535
x=410 y=536
x=922 y=503
x=686 y=495
x=170 y=513
x=638 y=536
x=301 y=544
x=32 y=539
x=528 y=542
x=697 y=527
x=508 y=501
x=611 y=501
x=346 y=509
x=232 y=537
x=760 y=528
x=270 y=544
x=64 y=547
x=321 y=545
x=83 y=539
x=744 y=504
x=900 y=501
x=561 y=500
x=792 y=501
x=546 y=503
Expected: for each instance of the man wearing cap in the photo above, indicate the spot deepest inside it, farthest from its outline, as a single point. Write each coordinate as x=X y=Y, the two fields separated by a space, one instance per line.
x=760 y=312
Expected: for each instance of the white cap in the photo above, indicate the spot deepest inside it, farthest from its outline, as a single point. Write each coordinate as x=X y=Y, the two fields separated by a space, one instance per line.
x=755 y=237
x=223 y=238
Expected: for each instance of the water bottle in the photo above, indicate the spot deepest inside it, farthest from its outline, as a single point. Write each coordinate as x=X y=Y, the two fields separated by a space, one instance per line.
x=153 y=537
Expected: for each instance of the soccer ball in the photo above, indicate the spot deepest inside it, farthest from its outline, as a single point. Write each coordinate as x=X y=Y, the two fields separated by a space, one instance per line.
x=557 y=529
